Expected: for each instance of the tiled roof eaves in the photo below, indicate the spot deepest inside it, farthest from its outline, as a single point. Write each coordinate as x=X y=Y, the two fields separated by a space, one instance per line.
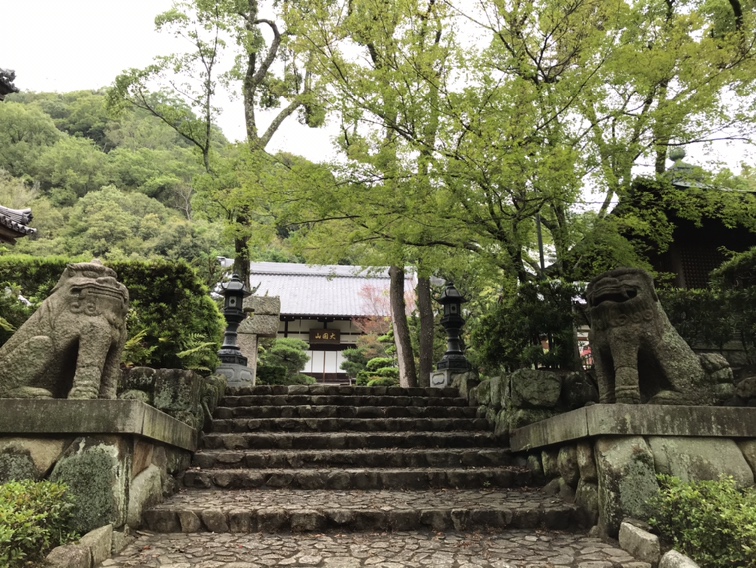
x=15 y=226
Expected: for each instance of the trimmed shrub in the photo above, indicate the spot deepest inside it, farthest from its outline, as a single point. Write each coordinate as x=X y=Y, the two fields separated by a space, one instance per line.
x=380 y=363
x=713 y=522
x=383 y=382
x=171 y=311
x=34 y=518
x=281 y=361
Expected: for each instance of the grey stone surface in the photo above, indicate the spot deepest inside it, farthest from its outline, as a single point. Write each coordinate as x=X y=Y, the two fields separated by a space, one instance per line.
x=568 y=465
x=586 y=461
x=483 y=391
x=578 y=389
x=698 y=459
x=99 y=542
x=465 y=382
x=626 y=480
x=673 y=559
x=400 y=549
x=30 y=417
x=263 y=305
x=237 y=375
x=640 y=543
x=550 y=462
x=69 y=556
x=531 y=388
x=637 y=420
x=261 y=325
x=83 y=320
x=497 y=386
x=746 y=388
x=748 y=448
x=586 y=498
x=16 y=464
x=145 y=490
x=638 y=355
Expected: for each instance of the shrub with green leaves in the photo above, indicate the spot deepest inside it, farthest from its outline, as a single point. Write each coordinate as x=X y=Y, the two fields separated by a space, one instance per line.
x=34 y=518
x=281 y=361
x=713 y=522
x=173 y=322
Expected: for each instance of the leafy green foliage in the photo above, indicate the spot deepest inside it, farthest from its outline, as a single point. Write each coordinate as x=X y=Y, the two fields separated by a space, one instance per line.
x=281 y=361
x=378 y=363
x=700 y=316
x=512 y=332
x=713 y=522
x=34 y=518
x=724 y=312
x=171 y=311
x=356 y=359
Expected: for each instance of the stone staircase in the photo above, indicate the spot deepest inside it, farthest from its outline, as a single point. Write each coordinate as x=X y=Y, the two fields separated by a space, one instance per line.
x=312 y=458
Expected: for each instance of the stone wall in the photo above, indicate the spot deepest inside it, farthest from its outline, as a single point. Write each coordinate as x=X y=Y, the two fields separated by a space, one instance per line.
x=116 y=456
x=527 y=396
x=607 y=457
x=185 y=395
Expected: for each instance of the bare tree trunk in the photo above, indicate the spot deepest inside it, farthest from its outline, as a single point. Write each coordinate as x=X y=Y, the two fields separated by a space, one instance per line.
x=407 y=372
x=427 y=330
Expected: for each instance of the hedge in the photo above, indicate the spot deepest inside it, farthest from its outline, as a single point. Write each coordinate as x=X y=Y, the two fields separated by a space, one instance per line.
x=171 y=311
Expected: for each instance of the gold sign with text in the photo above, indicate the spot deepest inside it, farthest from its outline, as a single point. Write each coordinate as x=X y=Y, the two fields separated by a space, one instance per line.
x=325 y=336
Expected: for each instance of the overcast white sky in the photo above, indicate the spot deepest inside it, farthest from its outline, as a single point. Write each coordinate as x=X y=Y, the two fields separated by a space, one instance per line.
x=69 y=45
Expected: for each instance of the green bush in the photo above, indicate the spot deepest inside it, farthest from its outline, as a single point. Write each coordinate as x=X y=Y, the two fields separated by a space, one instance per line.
x=511 y=333
x=713 y=522
x=384 y=382
x=380 y=363
x=34 y=518
x=171 y=311
x=281 y=361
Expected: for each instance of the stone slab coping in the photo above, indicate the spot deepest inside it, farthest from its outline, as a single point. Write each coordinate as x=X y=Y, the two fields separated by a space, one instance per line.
x=19 y=417
x=637 y=420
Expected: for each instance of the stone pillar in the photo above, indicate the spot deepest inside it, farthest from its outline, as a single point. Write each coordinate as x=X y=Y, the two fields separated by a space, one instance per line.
x=262 y=321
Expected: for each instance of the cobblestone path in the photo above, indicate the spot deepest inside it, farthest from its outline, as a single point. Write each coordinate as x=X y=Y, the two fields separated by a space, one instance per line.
x=509 y=549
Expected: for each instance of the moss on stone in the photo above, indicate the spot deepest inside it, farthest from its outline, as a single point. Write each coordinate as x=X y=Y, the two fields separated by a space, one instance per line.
x=91 y=478
x=16 y=466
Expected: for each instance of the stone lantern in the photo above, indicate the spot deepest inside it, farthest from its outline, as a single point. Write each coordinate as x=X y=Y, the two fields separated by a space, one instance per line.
x=454 y=360
x=233 y=363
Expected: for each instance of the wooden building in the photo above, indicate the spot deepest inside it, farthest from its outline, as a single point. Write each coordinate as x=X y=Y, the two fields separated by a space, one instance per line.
x=322 y=304
x=696 y=248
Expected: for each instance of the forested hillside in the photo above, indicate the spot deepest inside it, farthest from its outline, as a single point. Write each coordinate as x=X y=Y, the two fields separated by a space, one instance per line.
x=113 y=185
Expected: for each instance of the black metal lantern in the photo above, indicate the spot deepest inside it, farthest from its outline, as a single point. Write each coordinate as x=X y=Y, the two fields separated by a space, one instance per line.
x=234 y=293
x=452 y=321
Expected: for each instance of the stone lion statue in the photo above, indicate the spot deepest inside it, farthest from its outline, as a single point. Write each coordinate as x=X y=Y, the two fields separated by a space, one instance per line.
x=638 y=354
x=71 y=346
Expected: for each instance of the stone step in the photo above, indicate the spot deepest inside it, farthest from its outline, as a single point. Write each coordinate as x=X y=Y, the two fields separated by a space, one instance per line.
x=349 y=424
x=388 y=458
x=342 y=390
x=341 y=400
x=286 y=510
x=347 y=440
x=342 y=478
x=333 y=411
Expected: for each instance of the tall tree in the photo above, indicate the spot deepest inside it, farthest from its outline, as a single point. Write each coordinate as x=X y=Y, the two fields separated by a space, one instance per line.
x=267 y=74
x=384 y=64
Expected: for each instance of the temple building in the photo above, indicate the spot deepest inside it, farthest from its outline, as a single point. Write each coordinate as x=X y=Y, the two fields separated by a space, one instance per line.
x=323 y=305
x=696 y=248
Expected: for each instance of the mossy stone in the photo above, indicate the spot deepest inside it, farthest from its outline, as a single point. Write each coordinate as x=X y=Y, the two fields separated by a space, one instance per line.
x=16 y=466
x=95 y=472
